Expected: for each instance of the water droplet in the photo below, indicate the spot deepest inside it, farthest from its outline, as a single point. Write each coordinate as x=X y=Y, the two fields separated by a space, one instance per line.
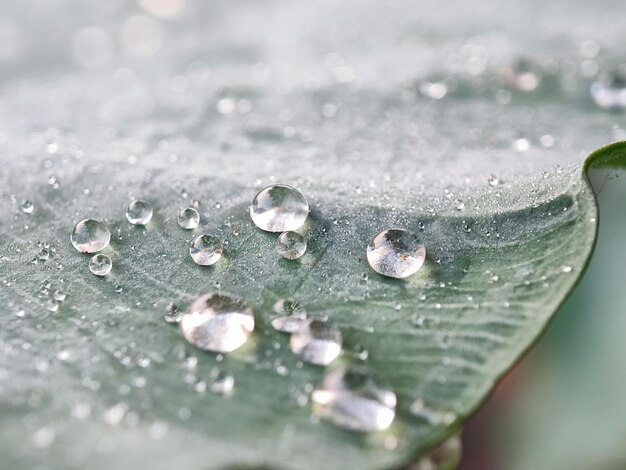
x=316 y=341
x=139 y=212
x=289 y=315
x=206 y=250
x=100 y=265
x=172 y=313
x=90 y=236
x=566 y=268
x=396 y=253
x=217 y=322
x=59 y=295
x=222 y=383
x=609 y=91
x=291 y=245
x=493 y=180
x=188 y=218
x=279 y=208
x=27 y=207
x=351 y=399
x=119 y=289
x=459 y=204
x=432 y=415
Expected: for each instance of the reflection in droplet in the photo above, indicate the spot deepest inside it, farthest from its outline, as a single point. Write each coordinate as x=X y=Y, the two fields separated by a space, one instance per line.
x=206 y=250
x=279 y=208
x=288 y=316
x=188 y=218
x=351 y=399
x=217 y=322
x=139 y=212
x=90 y=236
x=100 y=265
x=316 y=341
x=291 y=245
x=609 y=91
x=396 y=253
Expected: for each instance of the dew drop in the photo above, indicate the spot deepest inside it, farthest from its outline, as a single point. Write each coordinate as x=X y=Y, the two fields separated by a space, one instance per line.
x=609 y=91
x=172 y=313
x=351 y=399
x=316 y=341
x=459 y=204
x=279 y=208
x=566 y=268
x=222 y=383
x=59 y=295
x=27 y=207
x=288 y=316
x=100 y=265
x=217 y=322
x=206 y=250
x=90 y=236
x=188 y=218
x=291 y=245
x=493 y=180
x=139 y=212
x=396 y=253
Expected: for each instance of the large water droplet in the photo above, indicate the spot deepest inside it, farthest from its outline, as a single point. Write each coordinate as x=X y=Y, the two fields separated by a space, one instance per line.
x=396 y=253
x=289 y=315
x=100 y=265
x=90 y=236
x=206 y=250
x=351 y=399
x=291 y=245
x=279 y=208
x=316 y=341
x=139 y=212
x=188 y=218
x=217 y=322
x=609 y=91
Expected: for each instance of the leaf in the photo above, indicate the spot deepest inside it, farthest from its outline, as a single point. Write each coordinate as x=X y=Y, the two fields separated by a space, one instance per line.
x=104 y=382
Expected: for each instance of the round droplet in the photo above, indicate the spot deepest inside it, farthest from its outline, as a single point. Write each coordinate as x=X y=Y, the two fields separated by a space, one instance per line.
x=316 y=341
x=100 y=265
x=493 y=180
x=351 y=399
x=90 y=236
x=609 y=91
x=206 y=250
x=139 y=212
x=279 y=208
x=291 y=245
x=188 y=218
x=288 y=316
x=27 y=207
x=217 y=322
x=396 y=253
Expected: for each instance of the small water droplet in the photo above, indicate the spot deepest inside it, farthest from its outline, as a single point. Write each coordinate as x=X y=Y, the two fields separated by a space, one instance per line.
x=119 y=289
x=291 y=245
x=289 y=315
x=432 y=415
x=59 y=295
x=459 y=204
x=100 y=265
x=217 y=322
x=188 y=218
x=222 y=383
x=396 y=253
x=90 y=236
x=316 y=341
x=351 y=399
x=493 y=180
x=566 y=268
x=279 y=208
x=206 y=250
x=172 y=313
x=27 y=207
x=139 y=212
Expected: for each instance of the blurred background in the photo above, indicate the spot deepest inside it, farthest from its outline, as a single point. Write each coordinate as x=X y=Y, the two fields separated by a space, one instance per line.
x=562 y=406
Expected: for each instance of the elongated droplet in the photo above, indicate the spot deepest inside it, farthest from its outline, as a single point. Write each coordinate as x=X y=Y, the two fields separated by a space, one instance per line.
x=217 y=322
x=188 y=218
x=609 y=91
x=291 y=245
x=139 y=212
x=206 y=250
x=100 y=265
x=90 y=236
x=316 y=341
x=288 y=316
x=279 y=208
x=351 y=399
x=396 y=253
